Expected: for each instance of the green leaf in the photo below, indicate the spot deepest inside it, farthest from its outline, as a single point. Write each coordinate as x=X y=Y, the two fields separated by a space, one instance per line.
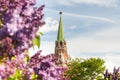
x=16 y=76
x=85 y=69
x=13 y=58
x=0 y=23
x=40 y=33
x=36 y=41
x=27 y=58
x=34 y=76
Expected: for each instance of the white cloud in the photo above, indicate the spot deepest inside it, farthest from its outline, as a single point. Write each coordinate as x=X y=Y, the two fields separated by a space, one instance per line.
x=111 y=61
x=112 y=32
x=85 y=16
x=73 y=27
x=47 y=47
x=107 y=40
x=50 y=25
x=90 y=17
x=108 y=3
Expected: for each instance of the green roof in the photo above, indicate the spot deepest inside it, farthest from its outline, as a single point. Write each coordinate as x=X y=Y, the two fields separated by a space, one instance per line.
x=60 y=36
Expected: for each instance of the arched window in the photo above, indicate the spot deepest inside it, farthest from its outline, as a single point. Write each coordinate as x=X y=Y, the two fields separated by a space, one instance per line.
x=61 y=43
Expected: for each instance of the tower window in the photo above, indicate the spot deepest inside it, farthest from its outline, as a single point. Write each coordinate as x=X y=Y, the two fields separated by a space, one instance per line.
x=61 y=43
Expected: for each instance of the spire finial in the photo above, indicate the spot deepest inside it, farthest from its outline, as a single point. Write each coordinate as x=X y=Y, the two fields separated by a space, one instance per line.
x=60 y=13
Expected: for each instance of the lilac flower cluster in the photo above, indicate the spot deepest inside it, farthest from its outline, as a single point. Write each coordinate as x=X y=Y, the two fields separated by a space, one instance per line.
x=115 y=75
x=19 y=20
x=6 y=47
x=44 y=66
x=10 y=66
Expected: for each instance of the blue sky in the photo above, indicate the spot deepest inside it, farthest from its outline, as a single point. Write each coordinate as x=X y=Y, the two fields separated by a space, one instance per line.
x=92 y=28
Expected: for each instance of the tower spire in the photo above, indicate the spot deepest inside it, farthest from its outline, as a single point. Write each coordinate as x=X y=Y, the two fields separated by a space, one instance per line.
x=60 y=36
x=61 y=46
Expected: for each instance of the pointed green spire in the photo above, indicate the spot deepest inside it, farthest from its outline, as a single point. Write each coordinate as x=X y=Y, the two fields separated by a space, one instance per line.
x=60 y=36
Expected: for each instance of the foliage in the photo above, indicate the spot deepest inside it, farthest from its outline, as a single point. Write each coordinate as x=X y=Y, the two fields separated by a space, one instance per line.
x=115 y=75
x=85 y=69
x=36 y=40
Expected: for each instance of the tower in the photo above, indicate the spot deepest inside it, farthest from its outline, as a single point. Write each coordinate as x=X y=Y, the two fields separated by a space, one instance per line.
x=60 y=46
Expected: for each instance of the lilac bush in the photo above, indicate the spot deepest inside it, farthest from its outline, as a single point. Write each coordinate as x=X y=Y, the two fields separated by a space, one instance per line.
x=41 y=66
x=115 y=75
x=45 y=67
x=20 y=21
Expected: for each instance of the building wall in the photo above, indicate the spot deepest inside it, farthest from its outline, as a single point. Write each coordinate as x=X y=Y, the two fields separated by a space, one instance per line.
x=61 y=52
